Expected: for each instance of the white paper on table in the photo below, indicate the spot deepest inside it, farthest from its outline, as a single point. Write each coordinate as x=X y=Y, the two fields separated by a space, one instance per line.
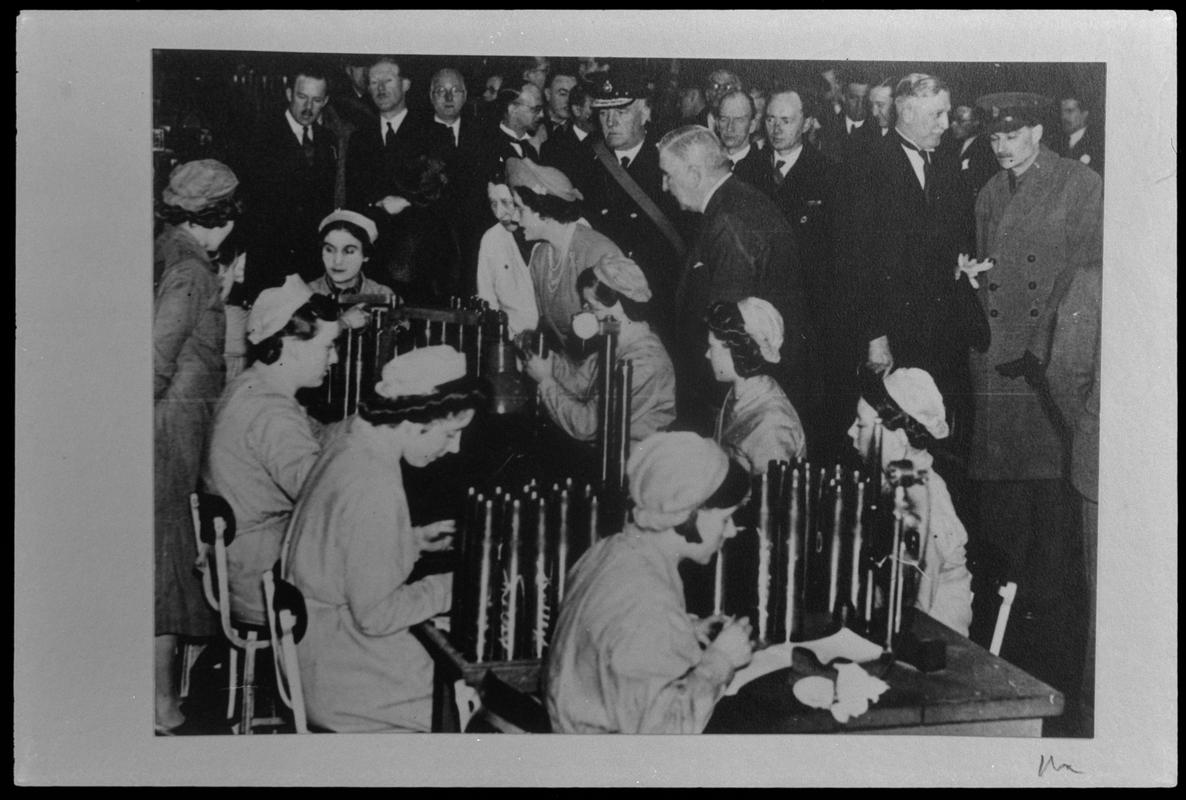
x=842 y=644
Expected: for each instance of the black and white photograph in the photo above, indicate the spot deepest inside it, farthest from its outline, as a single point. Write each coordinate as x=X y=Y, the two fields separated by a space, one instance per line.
x=736 y=381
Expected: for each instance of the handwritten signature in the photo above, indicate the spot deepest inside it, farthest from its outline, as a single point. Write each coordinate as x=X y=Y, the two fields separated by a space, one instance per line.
x=1048 y=762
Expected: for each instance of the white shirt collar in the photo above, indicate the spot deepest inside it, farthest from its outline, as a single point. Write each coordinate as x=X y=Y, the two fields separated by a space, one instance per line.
x=512 y=134
x=297 y=128
x=1076 y=136
x=740 y=154
x=850 y=124
x=631 y=154
x=454 y=126
x=790 y=158
x=968 y=143
x=580 y=134
x=395 y=121
x=713 y=190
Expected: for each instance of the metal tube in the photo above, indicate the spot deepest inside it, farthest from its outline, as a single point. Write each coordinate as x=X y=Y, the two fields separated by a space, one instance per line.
x=352 y=405
x=857 y=544
x=835 y=543
x=609 y=343
x=510 y=589
x=484 y=572
x=794 y=543
x=542 y=611
x=562 y=547
x=764 y=557
x=624 y=380
x=895 y=569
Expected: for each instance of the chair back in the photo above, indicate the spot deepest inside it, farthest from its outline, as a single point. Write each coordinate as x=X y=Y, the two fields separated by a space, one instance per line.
x=1007 y=593
x=287 y=621
x=214 y=530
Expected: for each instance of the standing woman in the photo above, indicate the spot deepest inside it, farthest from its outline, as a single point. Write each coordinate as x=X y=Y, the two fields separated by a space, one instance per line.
x=613 y=287
x=757 y=423
x=550 y=213
x=188 y=334
x=351 y=548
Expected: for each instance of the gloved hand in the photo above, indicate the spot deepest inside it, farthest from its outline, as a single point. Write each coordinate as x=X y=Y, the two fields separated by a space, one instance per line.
x=1028 y=367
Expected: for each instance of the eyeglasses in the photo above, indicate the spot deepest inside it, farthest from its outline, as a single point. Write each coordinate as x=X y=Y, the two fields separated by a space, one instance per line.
x=448 y=93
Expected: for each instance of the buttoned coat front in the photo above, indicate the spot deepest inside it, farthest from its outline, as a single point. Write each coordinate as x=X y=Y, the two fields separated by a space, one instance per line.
x=1052 y=223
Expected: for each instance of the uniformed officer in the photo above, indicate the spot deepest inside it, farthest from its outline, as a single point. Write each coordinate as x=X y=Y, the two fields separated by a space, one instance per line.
x=1039 y=217
x=625 y=199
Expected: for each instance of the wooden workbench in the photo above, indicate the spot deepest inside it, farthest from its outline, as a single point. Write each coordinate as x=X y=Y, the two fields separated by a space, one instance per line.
x=977 y=694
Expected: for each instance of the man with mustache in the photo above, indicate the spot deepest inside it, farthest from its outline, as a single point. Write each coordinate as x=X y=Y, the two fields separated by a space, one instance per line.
x=289 y=175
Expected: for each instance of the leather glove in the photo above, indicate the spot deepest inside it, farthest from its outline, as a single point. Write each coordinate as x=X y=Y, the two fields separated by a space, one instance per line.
x=1028 y=367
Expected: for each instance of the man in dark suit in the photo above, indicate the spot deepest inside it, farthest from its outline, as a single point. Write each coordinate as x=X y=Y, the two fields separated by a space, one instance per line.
x=840 y=133
x=569 y=146
x=389 y=177
x=353 y=100
x=965 y=142
x=911 y=221
x=520 y=111
x=624 y=111
x=744 y=248
x=736 y=121
x=802 y=182
x=1080 y=142
x=289 y=177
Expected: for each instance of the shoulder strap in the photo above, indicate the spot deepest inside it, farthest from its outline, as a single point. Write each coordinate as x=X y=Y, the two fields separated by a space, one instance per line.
x=619 y=174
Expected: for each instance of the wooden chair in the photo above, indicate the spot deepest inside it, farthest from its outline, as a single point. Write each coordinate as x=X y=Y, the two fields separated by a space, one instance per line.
x=214 y=530
x=505 y=709
x=1007 y=593
x=287 y=620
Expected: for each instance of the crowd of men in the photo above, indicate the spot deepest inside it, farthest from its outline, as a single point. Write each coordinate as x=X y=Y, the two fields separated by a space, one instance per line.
x=891 y=222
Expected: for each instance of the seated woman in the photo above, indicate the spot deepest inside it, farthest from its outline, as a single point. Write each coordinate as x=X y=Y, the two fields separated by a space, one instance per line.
x=613 y=287
x=264 y=443
x=550 y=213
x=626 y=657
x=351 y=547
x=757 y=423
x=347 y=242
x=912 y=416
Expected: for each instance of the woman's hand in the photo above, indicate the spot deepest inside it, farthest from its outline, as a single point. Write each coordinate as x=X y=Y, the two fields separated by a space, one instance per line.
x=356 y=316
x=539 y=368
x=435 y=536
x=880 y=359
x=393 y=205
x=233 y=274
x=733 y=642
x=709 y=628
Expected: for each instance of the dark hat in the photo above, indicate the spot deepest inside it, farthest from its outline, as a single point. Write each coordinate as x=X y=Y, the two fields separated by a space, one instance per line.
x=1008 y=111
x=615 y=90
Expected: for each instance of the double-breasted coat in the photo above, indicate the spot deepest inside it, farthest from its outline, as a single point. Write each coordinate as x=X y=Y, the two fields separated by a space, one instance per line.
x=1052 y=223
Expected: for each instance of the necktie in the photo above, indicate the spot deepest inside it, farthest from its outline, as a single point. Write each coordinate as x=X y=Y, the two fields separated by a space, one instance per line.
x=1012 y=181
x=926 y=166
x=389 y=137
x=307 y=145
x=625 y=162
x=778 y=176
x=926 y=174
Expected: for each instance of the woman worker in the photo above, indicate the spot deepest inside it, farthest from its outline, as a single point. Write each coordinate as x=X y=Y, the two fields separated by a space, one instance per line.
x=199 y=209
x=351 y=547
x=347 y=243
x=550 y=213
x=264 y=443
x=613 y=287
x=912 y=416
x=757 y=423
x=626 y=657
